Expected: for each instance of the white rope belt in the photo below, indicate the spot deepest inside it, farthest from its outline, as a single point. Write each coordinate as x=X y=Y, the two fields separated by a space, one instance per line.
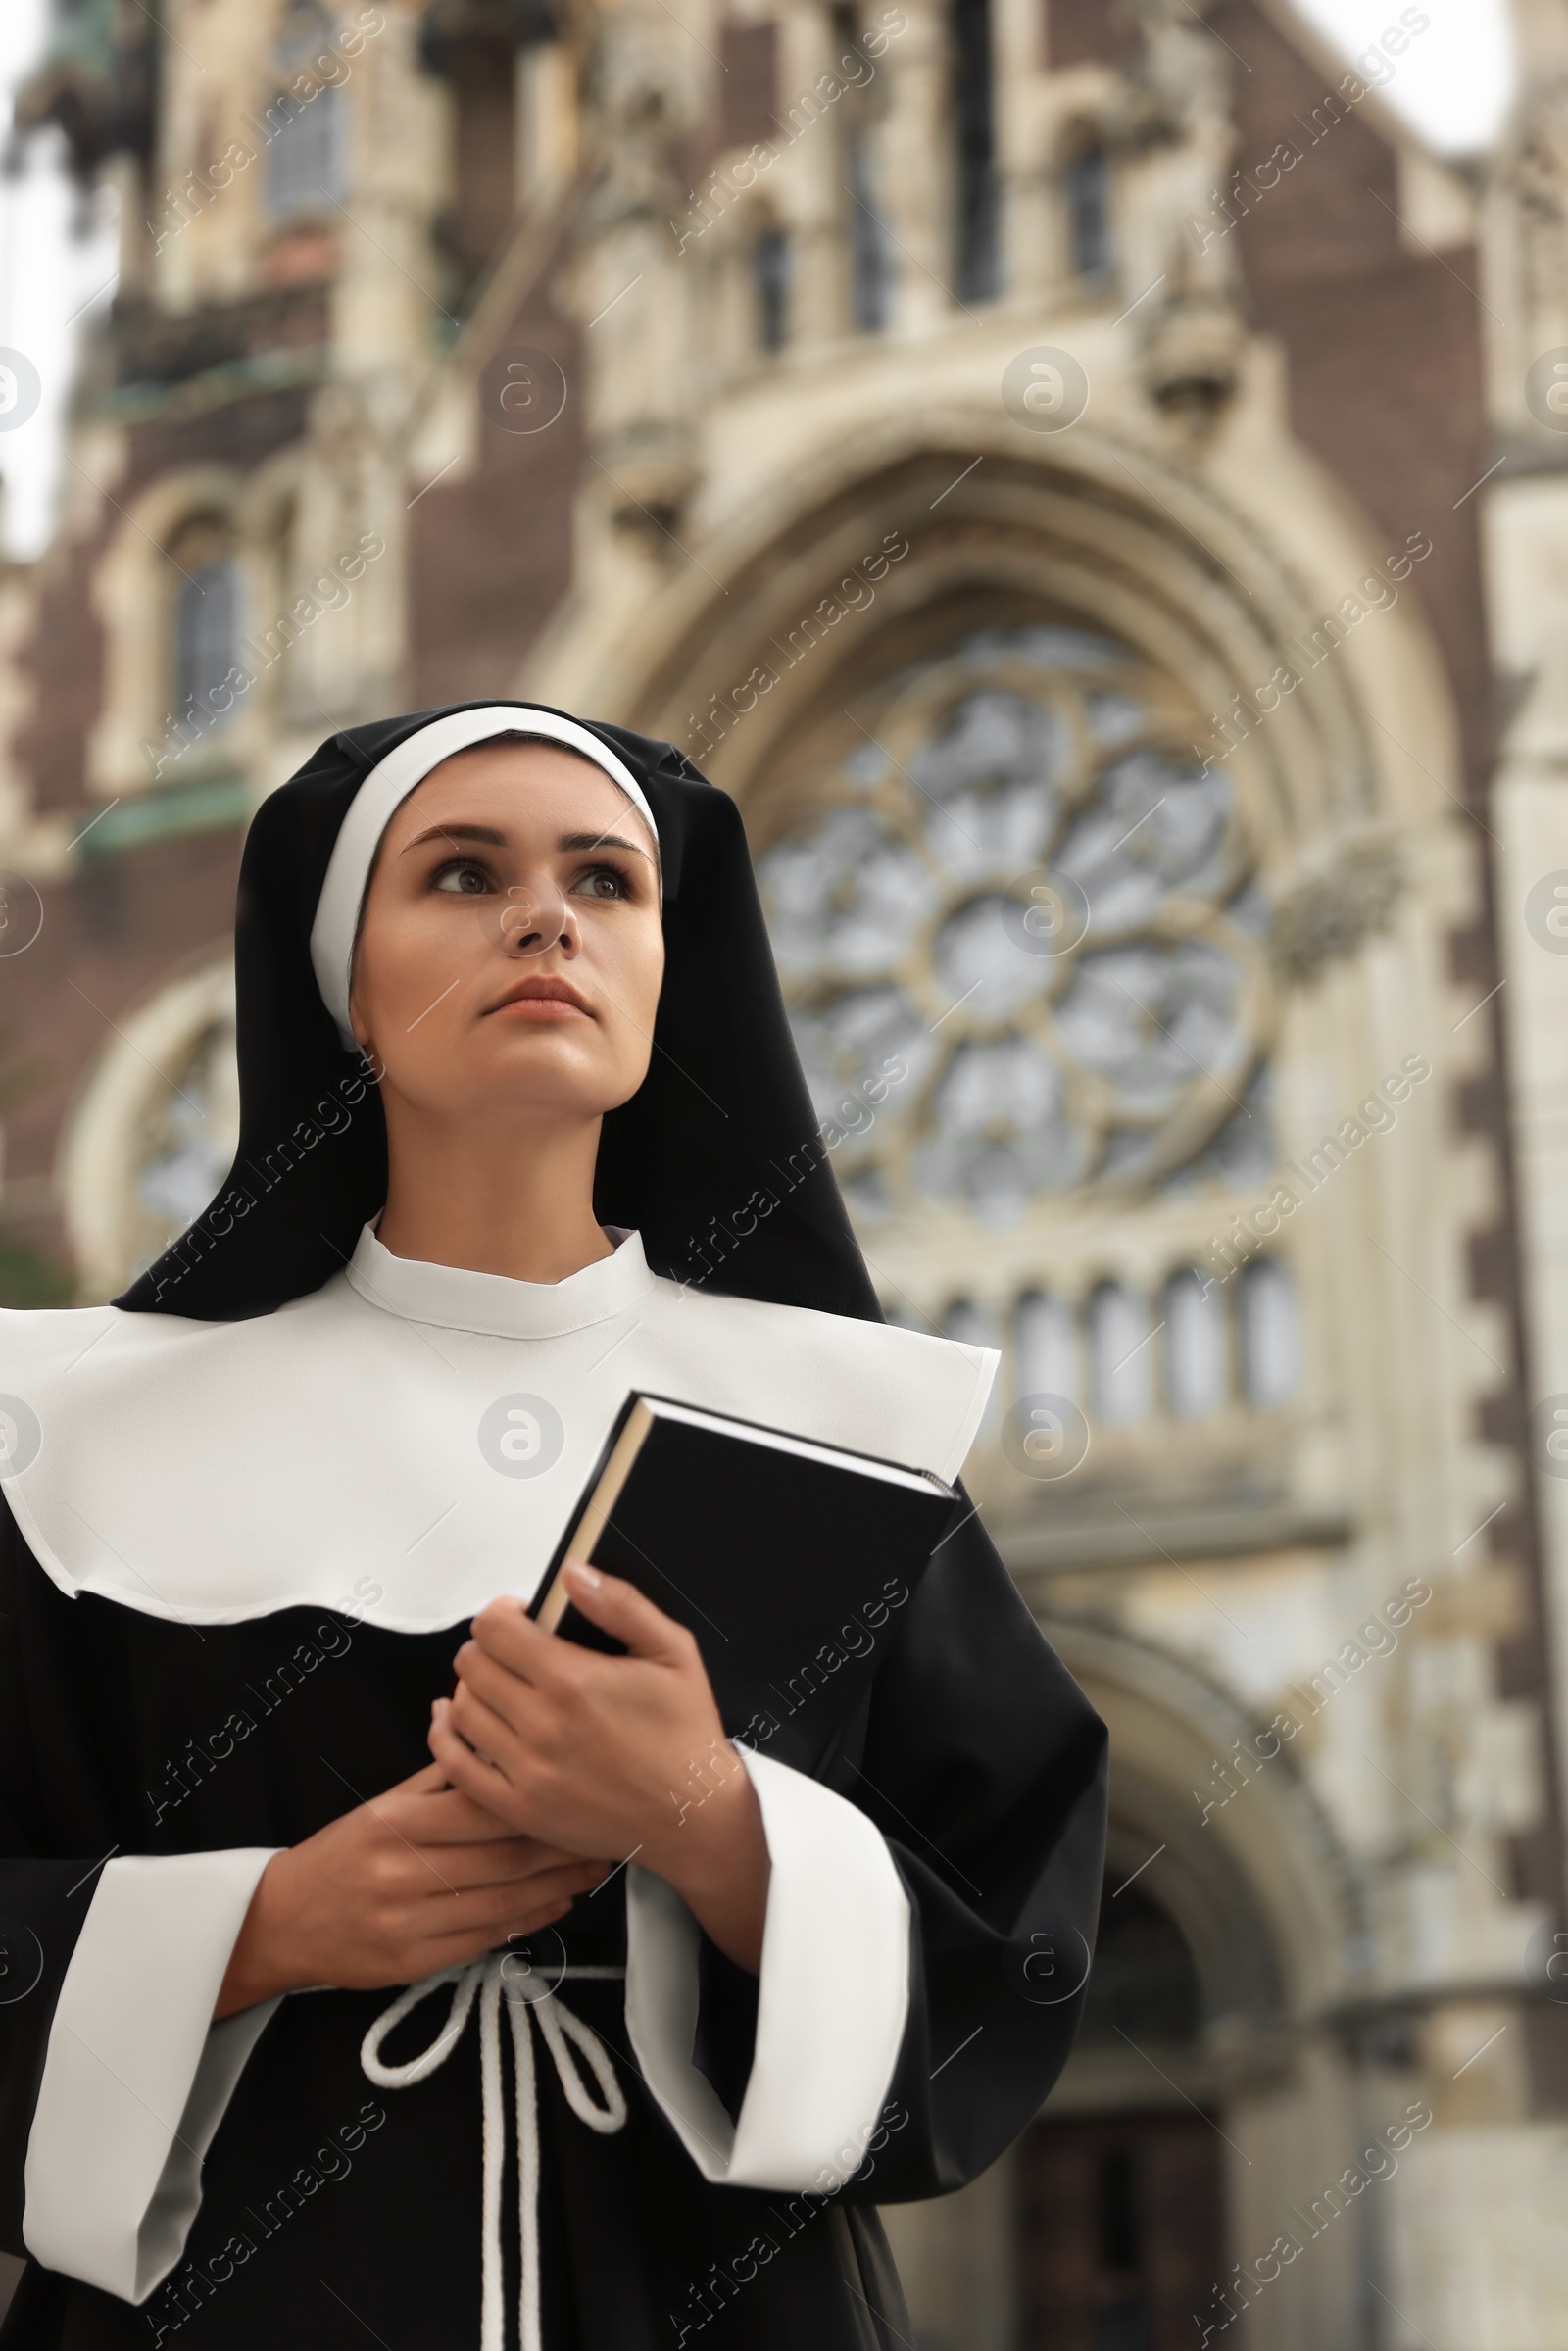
x=560 y=2025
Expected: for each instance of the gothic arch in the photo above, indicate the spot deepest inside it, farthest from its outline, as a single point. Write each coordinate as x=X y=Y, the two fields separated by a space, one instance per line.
x=1266 y=1895
x=135 y=741
x=153 y=1124
x=1221 y=574
x=1269 y=1909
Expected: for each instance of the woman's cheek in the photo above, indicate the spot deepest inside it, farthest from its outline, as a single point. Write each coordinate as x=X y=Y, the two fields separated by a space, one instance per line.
x=626 y=985
x=642 y=979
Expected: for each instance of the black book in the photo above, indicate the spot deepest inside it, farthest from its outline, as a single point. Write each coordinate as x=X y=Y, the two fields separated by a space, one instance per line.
x=790 y=1561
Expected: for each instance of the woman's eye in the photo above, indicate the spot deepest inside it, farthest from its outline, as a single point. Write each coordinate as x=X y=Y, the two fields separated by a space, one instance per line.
x=462 y=880
x=604 y=881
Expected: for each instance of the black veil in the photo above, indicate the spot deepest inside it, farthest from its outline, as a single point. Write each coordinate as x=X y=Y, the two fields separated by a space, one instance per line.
x=716 y=1160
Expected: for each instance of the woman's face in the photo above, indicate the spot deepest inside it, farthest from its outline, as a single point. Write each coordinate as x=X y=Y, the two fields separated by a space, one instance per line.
x=510 y=950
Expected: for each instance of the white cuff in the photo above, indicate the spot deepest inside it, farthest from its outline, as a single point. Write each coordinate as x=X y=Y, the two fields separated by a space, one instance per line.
x=137 y=2076
x=833 y=1998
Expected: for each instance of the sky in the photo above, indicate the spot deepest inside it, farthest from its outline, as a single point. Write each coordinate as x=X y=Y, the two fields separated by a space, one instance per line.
x=57 y=263
x=53 y=277
x=1454 y=82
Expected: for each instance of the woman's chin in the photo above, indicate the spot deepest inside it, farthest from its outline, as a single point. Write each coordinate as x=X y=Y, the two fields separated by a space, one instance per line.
x=526 y=1090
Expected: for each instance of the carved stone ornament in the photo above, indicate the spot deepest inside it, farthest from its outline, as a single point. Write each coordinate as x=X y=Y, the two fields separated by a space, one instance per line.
x=1327 y=917
x=1538 y=169
x=1192 y=358
x=1182 y=79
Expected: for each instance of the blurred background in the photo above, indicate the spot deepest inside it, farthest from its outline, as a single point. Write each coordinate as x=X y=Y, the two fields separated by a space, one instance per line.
x=1090 y=478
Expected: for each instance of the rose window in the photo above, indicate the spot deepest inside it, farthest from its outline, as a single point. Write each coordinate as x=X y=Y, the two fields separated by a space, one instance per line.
x=1018 y=933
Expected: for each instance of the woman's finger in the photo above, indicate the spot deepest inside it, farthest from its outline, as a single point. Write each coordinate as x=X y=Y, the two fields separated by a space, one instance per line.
x=427 y=1809
x=475 y=1906
x=506 y=1631
x=441 y=1869
x=481 y=1726
x=454 y=1818
x=448 y=1948
x=428 y=1780
x=509 y=1699
x=467 y=1770
x=451 y=1819
x=618 y=1607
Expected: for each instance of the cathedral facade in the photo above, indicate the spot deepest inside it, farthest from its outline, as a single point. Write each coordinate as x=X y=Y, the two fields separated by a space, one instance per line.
x=1093 y=488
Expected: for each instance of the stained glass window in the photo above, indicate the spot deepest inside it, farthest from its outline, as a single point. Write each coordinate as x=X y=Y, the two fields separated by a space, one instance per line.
x=1197 y=1337
x=1270 y=1333
x=207 y=630
x=305 y=121
x=1013 y=912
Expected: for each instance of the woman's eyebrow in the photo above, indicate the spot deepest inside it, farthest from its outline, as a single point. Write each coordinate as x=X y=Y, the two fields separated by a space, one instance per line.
x=600 y=840
x=492 y=839
x=458 y=832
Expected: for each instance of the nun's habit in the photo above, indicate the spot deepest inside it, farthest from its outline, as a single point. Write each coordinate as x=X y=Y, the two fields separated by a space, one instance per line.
x=245 y=1515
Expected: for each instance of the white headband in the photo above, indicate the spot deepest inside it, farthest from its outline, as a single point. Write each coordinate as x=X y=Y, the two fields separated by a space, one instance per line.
x=387 y=785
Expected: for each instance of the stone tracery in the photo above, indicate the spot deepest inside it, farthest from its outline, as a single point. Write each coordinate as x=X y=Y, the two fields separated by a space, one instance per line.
x=1014 y=889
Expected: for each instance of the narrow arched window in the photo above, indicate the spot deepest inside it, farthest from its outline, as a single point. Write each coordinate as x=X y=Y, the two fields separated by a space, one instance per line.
x=1198 y=1370
x=1045 y=1341
x=1088 y=193
x=304 y=122
x=771 y=285
x=1270 y=1333
x=1120 y=1337
x=304 y=153
x=205 y=630
x=978 y=272
x=870 y=245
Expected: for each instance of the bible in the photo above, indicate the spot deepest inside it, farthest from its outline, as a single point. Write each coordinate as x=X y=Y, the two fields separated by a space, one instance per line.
x=788 y=1560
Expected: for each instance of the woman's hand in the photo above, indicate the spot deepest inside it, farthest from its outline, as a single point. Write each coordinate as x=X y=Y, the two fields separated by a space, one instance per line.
x=619 y=1758
x=416 y=1880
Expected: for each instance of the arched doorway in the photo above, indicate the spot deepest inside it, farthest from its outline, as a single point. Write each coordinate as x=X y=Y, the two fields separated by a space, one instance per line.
x=1120 y=2216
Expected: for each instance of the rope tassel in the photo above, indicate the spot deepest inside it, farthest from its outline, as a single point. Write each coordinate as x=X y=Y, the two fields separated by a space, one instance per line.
x=484 y=1979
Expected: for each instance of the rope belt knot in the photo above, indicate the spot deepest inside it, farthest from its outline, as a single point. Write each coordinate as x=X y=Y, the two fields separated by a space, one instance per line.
x=486 y=1981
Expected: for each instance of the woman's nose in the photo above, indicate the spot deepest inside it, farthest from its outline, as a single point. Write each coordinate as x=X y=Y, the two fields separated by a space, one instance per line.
x=531 y=920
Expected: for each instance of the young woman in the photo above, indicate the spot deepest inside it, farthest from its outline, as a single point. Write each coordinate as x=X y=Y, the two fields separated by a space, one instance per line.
x=373 y=1964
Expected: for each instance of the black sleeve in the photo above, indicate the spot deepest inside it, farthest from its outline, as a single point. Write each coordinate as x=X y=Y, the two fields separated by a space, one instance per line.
x=985 y=1768
x=45 y=1894
x=112 y=1959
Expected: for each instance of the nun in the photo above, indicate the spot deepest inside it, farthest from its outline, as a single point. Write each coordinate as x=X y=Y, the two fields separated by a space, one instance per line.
x=375 y=1967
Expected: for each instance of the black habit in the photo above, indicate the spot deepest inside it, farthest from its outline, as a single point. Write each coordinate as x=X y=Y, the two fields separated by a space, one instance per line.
x=221 y=1626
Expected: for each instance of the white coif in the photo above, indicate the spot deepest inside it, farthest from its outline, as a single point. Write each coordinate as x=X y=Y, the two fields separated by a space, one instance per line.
x=389 y=783
x=487 y=1980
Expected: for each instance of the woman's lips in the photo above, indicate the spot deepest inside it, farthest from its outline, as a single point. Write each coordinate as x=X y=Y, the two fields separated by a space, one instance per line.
x=544 y=998
x=543 y=1007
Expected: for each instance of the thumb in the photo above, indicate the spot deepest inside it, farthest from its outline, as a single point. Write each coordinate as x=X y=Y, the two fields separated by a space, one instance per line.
x=618 y=1607
x=428 y=1780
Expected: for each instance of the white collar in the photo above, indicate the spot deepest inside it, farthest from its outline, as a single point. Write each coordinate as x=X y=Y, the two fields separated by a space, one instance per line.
x=344 y=1454
x=454 y=1298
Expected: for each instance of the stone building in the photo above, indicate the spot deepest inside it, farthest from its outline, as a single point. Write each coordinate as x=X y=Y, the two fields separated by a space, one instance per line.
x=1093 y=488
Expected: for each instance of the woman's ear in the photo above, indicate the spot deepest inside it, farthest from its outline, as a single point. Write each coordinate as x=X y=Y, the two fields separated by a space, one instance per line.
x=360 y=1026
